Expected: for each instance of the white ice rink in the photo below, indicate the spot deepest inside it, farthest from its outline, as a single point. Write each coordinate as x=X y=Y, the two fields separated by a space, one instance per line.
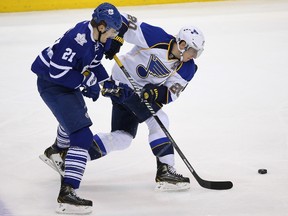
x=230 y=121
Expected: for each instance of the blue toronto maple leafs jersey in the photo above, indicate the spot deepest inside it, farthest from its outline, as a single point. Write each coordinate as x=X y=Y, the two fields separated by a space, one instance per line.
x=148 y=61
x=76 y=51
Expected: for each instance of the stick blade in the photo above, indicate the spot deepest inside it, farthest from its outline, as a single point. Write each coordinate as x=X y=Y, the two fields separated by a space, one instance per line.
x=216 y=185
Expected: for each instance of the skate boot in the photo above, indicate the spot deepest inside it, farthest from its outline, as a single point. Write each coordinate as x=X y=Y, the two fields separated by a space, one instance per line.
x=167 y=179
x=70 y=203
x=54 y=157
x=54 y=149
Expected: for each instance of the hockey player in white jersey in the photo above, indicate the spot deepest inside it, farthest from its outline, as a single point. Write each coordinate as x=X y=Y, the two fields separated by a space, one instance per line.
x=162 y=66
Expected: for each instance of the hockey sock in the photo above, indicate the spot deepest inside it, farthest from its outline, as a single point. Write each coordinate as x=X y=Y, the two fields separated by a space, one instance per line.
x=76 y=158
x=62 y=138
x=104 y=143
x=168 y=159
x=75 y=163
x=161 y=147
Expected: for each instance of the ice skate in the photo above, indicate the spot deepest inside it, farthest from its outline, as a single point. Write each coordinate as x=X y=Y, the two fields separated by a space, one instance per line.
x=168 y=180
x=54 y=157
x=70 y=203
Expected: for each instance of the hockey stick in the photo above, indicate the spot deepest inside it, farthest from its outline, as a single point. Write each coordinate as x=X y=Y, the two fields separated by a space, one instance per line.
x=216 y=185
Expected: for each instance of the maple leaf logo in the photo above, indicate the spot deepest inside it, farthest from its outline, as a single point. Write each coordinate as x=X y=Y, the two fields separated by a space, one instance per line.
x=110 y=11
x=81 y=39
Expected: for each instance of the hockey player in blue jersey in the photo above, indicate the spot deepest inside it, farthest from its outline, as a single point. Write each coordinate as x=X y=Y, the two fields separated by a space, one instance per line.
x=162 y=66
x=67 y=70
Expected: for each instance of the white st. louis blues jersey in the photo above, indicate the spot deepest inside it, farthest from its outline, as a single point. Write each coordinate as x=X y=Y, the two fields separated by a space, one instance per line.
x=148 y=61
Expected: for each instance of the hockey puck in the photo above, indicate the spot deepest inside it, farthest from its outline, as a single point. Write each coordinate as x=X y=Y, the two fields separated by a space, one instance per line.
x=262 y=171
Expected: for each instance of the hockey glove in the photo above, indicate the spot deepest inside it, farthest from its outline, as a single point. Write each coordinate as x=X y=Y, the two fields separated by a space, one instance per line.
x=153 y=93
x=91 y=87
x=118 y=92
x=89 y=79
x=92 y=92
x=116 y=43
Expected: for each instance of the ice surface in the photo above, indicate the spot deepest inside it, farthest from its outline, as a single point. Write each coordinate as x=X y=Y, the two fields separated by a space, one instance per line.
x=231 y=120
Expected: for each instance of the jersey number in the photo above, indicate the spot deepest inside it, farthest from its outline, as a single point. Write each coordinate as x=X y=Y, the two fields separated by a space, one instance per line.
x=132 y=22
x=176 y=89
x=68 y=55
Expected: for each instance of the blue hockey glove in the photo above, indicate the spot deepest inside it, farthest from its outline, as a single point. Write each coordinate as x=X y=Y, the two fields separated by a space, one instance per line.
x=92 y=92
x=90 y=78
x=118 y=92
x=91 y=87
x=153 y=93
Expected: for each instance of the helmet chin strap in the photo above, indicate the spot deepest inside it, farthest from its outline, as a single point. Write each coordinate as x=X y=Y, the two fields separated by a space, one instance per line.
x=181 y=51
x=99 y=35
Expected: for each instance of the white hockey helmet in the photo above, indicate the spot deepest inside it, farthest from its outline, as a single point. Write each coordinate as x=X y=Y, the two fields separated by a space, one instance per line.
x=193 y=37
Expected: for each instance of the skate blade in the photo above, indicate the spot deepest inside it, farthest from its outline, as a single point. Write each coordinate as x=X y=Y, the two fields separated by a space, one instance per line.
x=165 y=186
x=47 y=161
x=64 y=208
x=51 y=164
x=58 y=162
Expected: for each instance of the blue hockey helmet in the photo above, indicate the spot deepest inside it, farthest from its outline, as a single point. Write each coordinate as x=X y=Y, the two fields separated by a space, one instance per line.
x=109 y=14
